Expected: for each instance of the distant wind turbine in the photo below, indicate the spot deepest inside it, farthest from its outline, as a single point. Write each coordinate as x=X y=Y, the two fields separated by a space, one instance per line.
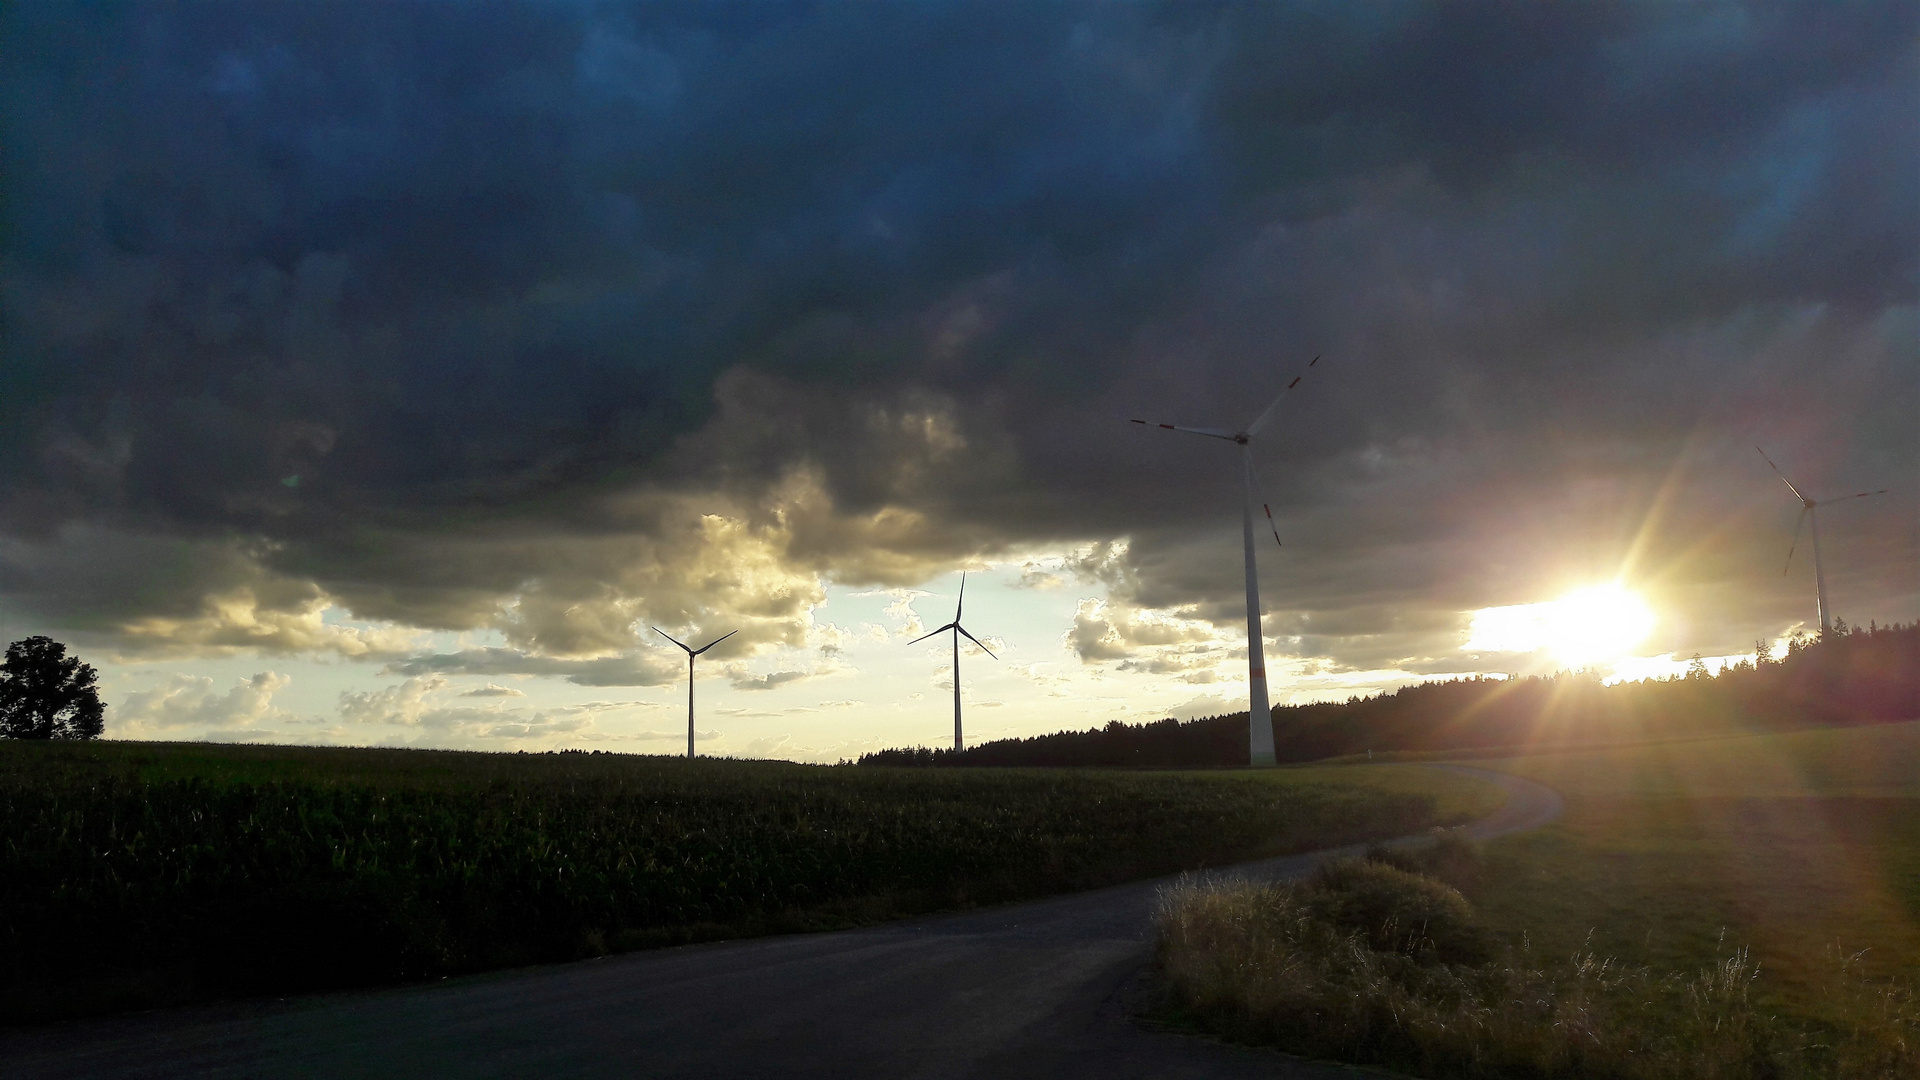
x=1810 y=512
x=1259 y=712
x=691 y=653
x=957 y=631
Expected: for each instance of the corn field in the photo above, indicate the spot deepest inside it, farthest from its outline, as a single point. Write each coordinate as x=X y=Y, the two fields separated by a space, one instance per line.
x=137 y=874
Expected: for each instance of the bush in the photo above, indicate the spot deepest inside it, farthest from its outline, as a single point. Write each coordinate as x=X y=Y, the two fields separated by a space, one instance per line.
x=1397 y=911
x=1451 y=858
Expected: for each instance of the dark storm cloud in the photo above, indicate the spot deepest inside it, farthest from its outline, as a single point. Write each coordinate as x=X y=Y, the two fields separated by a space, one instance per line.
x=472 y=316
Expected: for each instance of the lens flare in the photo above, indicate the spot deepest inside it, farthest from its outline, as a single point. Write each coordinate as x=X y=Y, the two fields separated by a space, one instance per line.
x=1596 y=625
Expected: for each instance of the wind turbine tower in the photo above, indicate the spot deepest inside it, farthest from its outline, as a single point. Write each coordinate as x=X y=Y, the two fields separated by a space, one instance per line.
x=958 y=630
x=1259 y=711
x=1810 y=514
x=691 y=653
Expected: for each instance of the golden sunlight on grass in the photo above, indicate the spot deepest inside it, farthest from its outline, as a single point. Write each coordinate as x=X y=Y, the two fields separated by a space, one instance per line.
x=1737 y=908
x=1801 y=845
x=1595 y=625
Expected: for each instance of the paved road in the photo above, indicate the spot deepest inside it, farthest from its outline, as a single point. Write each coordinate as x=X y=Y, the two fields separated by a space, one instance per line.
x=1044 y=989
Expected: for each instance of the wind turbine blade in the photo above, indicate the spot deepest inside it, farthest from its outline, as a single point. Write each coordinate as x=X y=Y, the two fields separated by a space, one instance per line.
x=1211 y=433
x=930 y=633
x=963 y=598
x=1264 y=505
x=668 y=636
x=714 y=642
x=1254 y=428
x=1781 y=475
x=975 y=640
x=1804 y=511
x=1862 y=495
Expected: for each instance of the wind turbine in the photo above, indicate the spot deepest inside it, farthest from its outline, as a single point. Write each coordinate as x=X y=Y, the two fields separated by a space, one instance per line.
x=691 y=653
x=957 y=631
x=1259 y=712
x=1809 y=511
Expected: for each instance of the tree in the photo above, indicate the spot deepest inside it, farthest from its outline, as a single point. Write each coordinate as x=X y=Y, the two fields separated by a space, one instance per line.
x=46 y=694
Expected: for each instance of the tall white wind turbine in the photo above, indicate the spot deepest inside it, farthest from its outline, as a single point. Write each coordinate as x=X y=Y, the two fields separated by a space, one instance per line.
x=691 y=653
x=1259 y=711
x=1810 y=514
x=957 y=631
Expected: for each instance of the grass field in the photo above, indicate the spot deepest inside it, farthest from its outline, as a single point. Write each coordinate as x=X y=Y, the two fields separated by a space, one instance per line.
x=1804 y=846
x=1737 y=908
x=135 y=874
x=1456 y=798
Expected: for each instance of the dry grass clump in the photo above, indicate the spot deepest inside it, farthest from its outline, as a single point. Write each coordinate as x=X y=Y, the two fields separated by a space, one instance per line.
x=1376 y=963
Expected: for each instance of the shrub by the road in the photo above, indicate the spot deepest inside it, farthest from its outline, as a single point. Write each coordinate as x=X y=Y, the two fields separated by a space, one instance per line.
x=1375 y=962
x=134 y=874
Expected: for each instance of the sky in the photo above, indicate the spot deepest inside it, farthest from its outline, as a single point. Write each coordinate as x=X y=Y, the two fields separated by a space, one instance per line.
x=378 y=374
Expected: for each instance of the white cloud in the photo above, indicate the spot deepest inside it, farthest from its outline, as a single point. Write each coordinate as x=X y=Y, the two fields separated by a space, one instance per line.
x=770 y=746
x=647 y=667
x=1157 y=642
x=419 y=704
x=194 y=701
x=745 y=680
x=1034 y=576
x=902 y=609
x=404 y=703
x=1206 y=705
x=649 y=736
x=494 y=690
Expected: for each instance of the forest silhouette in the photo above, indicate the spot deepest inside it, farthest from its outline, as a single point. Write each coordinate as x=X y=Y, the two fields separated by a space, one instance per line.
x=1850 y=676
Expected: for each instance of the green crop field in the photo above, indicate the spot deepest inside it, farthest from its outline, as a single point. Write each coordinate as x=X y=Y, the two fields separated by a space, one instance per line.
x=134 y=874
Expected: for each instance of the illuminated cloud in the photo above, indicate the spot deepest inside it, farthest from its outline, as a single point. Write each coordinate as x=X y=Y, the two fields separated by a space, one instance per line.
x=491 y=690
x=185 y=701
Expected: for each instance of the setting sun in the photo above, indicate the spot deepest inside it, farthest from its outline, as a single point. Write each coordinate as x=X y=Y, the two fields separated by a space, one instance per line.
x=1599 y=624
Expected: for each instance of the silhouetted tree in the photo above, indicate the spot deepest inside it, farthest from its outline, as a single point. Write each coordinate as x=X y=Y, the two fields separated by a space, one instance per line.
x=46 y=694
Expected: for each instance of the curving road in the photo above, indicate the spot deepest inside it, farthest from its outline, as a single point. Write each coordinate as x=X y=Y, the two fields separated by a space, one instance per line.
x=1043 y=989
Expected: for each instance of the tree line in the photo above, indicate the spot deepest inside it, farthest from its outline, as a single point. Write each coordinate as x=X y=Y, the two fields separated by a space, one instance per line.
x=1848 y=676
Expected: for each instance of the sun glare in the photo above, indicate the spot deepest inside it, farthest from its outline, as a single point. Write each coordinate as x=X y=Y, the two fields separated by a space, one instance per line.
x=1597 y=625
